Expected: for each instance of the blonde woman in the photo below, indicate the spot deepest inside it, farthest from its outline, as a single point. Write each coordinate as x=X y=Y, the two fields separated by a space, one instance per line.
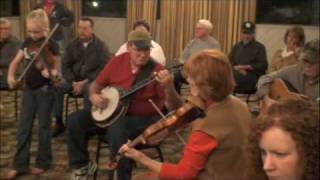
x=36 y=97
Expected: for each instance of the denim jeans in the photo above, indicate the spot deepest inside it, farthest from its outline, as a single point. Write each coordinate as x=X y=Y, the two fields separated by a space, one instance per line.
x=81 y=126
x=34 y=101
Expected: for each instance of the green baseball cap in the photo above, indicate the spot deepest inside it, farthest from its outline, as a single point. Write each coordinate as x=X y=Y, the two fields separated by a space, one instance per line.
x=141 y=39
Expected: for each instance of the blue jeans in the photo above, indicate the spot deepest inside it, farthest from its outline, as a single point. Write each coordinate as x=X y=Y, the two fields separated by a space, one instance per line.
x=34 y=101
x=81 y=126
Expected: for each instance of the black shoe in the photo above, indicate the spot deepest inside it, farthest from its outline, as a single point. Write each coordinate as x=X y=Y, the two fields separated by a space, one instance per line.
x=58 y=130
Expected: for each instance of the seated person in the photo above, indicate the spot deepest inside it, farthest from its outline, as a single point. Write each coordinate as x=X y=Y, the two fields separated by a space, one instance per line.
x=122 y=71
x=216 y=148
x=9 y=46
x=302 y=77
x=84 y=58
x=202 y=40
x=294 y=40
x=248 y=58
x=284 y=142
x=156 y=50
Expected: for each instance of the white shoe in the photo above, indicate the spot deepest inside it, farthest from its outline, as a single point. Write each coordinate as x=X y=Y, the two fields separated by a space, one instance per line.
x=84 y=172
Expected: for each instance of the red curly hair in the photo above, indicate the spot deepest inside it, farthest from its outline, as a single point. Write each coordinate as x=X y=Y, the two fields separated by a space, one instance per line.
x=300 y=118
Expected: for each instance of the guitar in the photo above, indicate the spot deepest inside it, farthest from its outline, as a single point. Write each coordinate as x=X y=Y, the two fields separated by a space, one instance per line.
x=278 y=92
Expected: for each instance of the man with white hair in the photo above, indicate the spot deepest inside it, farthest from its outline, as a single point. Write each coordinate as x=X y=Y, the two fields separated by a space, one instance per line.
x=202 y=40
x=9 y=46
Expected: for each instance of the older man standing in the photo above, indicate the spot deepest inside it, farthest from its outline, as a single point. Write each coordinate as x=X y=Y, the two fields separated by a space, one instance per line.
x=9 y=46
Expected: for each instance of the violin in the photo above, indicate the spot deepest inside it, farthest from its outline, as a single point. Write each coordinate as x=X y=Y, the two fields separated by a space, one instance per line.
x=191 y=110
x=45 y=60
x=41 y=50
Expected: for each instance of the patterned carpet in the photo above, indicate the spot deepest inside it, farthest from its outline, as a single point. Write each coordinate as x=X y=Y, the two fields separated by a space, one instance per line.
x=171 y=147
x=60 y=169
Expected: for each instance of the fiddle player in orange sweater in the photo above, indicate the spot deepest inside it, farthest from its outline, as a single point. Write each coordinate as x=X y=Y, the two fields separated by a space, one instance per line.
x=216 y=147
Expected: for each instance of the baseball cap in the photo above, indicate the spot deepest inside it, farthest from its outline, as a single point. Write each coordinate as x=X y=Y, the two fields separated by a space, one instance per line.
x=142 y=40
x=248 y=27
x=310 y=52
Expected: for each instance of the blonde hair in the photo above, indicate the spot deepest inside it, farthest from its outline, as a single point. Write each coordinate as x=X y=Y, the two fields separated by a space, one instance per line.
x=40 y=17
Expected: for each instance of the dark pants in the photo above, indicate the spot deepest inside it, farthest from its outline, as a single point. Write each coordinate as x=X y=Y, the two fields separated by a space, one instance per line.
x=34 y=101
x=81 y=126
x=245 y=81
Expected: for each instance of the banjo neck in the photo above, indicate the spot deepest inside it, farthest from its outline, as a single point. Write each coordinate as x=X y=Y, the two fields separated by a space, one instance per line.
x=137 y=87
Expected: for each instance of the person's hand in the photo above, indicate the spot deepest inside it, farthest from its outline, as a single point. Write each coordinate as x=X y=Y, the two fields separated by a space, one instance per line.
x=12 y=82
x=165 y=78
x=78 y=87
x=130 y=152
x=98 y=100
x=45 y=73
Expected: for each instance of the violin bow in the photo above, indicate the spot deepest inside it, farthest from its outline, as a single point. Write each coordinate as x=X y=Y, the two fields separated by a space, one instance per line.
x=40 y=50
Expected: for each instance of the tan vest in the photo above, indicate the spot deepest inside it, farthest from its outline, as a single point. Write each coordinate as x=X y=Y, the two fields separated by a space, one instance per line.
x=229 y=122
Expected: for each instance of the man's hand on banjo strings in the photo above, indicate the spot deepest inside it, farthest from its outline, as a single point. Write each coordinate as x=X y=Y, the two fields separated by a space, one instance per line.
x=98 y=100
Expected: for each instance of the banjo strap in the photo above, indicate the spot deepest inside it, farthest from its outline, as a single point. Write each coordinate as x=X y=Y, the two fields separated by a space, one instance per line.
x=143 y=76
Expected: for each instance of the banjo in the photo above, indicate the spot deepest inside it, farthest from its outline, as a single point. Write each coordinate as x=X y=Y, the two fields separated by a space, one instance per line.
x=118 y=102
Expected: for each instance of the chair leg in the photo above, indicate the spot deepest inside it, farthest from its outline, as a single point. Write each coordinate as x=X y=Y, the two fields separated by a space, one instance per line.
x=66 y=109
x=97 y=158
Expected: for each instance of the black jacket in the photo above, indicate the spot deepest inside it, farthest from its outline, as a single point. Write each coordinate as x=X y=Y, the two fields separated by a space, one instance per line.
x=80 y=63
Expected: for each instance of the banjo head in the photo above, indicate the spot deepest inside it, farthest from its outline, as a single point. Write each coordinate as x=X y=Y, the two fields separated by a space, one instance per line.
x=113 y=96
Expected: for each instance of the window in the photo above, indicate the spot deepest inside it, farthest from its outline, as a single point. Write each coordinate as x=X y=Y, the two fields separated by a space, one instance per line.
x=304 y=12
x=9 y=8
x=105 y=8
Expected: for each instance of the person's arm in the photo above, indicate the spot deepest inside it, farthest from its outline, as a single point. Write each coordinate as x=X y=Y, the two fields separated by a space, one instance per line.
x=13 y=69
x=172 y=98
x=65 y=16
x=186 y=52
x=194 y=160
x=67 y=72
x=260 y=64
x=265 y=81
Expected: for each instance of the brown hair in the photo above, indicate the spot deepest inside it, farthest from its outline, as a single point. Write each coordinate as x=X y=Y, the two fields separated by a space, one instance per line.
x=297 y=31
x=300 y=118
x=212 y=73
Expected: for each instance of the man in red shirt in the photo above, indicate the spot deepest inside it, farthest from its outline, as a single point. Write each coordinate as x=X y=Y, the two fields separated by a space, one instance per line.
x=121 y=72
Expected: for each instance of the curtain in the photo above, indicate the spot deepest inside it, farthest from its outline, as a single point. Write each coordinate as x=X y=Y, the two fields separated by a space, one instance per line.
x=178 y=20
x=25 y=7
x=142 y=9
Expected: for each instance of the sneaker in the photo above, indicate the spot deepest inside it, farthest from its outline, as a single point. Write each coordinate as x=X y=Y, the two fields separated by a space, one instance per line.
x=84 y=172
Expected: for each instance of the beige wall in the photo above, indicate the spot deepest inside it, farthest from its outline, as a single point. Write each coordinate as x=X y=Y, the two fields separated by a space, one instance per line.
x=112 y=31
x=272 y=36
